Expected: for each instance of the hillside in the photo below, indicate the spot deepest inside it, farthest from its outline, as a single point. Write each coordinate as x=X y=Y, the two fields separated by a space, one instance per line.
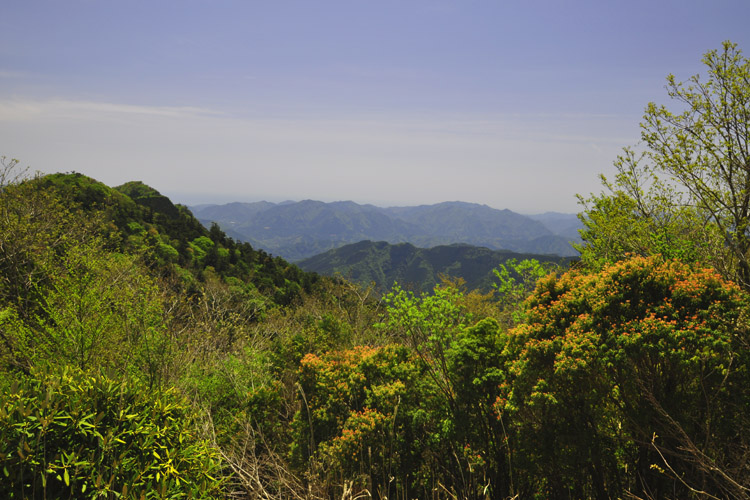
x=299 y=230
x=139 y=219
x=416 y=268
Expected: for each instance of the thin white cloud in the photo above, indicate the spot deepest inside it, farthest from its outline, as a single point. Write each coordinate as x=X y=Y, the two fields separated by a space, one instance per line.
x=26 y=109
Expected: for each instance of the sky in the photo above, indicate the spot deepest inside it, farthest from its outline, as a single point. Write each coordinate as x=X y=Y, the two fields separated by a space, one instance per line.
x=512 y=104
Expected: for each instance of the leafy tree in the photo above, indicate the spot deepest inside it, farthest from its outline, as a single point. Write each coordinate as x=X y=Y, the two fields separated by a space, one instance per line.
x=644 y=215
x=463 y=356
x=687 y=193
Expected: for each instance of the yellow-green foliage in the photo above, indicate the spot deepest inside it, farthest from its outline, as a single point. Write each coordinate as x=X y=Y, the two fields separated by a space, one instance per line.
x=73 y=434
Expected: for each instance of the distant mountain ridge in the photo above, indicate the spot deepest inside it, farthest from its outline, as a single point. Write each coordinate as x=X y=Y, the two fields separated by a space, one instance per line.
x=561 y=224
x=418 y=269
x=299 y=230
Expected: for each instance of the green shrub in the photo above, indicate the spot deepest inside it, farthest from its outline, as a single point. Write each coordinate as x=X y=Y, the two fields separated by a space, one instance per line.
x=73 y=434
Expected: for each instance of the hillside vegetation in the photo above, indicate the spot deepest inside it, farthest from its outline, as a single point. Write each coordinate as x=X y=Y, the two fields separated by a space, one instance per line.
x=145 y=356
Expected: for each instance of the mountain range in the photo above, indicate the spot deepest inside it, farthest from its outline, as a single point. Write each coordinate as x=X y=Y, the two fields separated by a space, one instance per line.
x=299 y=230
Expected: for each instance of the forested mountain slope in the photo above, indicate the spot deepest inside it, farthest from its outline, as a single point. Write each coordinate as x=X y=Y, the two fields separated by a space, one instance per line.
x=418 y=269
x=176 y=242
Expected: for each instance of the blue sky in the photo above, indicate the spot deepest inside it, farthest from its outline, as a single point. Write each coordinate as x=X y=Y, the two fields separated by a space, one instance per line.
x=514 y=104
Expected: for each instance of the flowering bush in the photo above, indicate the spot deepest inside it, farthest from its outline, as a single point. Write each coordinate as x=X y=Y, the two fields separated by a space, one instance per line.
x=642 y=363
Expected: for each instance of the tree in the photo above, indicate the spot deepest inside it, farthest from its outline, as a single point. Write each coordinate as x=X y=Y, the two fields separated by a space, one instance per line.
x=687 y=194
x=462 y=355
